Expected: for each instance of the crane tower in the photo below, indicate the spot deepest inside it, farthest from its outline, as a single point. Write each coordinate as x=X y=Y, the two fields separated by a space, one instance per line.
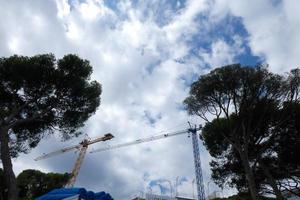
x=198 y=168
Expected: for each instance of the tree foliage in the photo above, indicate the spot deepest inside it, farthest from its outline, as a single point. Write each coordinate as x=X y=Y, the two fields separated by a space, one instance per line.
x=3 y=187
x=40 y=95
x=255 y=114
x=34 y=183
x=242 y=196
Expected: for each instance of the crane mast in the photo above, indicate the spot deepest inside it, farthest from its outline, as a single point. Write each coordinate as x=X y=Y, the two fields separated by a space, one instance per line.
x=198 y=168
x=76 y=168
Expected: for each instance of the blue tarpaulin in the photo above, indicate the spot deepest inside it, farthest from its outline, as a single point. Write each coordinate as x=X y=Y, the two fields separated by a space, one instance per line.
x=76 y=193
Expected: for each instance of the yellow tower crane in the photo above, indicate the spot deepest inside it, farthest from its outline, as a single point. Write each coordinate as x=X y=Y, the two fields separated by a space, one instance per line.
x=82 y=147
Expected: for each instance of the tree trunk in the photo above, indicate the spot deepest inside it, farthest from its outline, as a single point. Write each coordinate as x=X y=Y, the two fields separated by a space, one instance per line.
x=249 y=175
x=9 y=175
x=271 y=180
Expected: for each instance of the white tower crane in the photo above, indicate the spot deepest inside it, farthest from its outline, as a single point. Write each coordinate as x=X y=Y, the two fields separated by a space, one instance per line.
x=82 y=147
x=197 y=160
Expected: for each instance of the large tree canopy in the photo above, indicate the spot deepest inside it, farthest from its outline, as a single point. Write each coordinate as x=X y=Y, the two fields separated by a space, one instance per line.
x=34 y=183
x=38 y=96
x=253 y=112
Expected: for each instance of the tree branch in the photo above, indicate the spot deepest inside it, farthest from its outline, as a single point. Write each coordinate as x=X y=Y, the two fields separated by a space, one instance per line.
x=14 y=113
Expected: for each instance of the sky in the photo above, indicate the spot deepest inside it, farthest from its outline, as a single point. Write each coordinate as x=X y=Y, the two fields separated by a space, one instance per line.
x=146 y=54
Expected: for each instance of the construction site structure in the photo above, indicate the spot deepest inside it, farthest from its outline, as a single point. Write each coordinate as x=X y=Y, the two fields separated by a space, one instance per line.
x=143 y=140
x=196 y=153
x=82 y=147
x=198 y=168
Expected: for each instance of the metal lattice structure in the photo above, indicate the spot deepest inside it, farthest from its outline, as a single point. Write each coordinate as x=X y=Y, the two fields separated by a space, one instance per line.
x=85 y=143
x=198 y=168
x=197 y=160
x=82 y=146
x=142 y=140
x=77 y=167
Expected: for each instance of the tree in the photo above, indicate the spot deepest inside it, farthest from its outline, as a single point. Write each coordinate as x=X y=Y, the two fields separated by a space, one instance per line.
x=286 y=164
x=2 y=186
x=40 y=95
x=34 y=183
x=227 y=167
x=280 y=159
x=241 y=196
x=245 y=103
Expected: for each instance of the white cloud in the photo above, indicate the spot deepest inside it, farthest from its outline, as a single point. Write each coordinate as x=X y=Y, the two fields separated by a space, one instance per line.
x=222 y=53
x=63 y=8
x=273 y=29
x=184 y=24
x=135 y=56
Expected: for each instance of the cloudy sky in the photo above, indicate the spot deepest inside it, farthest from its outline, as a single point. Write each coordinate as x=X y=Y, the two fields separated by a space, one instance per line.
x=146 y=54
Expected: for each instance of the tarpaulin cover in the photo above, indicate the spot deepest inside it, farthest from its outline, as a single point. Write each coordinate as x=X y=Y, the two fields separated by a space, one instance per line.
x=60 y=194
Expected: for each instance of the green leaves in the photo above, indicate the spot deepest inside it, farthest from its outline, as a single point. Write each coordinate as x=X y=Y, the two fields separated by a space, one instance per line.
x=40 y=94
x=213 y=137
x=34 y=183
x=254 y=119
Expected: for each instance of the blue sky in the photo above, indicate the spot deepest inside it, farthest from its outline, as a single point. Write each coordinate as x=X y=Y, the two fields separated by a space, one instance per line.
x=146 y=54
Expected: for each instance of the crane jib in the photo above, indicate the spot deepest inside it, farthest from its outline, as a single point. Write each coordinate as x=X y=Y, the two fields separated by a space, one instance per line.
x=143 y=140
